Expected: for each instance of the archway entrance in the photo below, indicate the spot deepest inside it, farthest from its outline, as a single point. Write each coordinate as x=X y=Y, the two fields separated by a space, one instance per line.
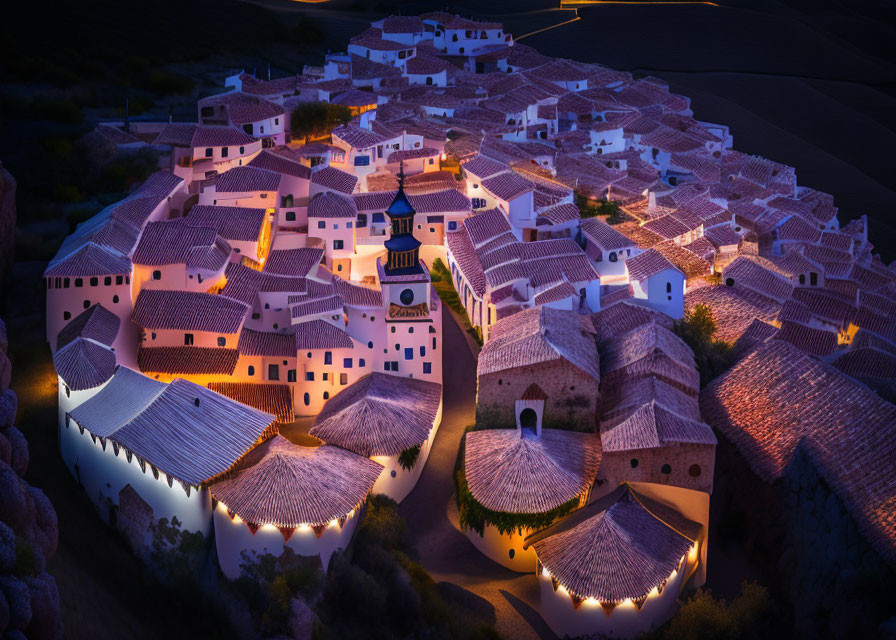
x=529 y=419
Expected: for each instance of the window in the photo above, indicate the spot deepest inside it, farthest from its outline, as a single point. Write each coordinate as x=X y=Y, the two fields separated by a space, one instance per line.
x=222 y=341
x=343 y=378
x=276 y=120
x=370 y=344
x=433 y=344
x=337 y=244
x=362 y=161
x=66 y=315
x=321 y=224
x=242 y=150
x=188 y=339
x=668 y=287
x=65 y=283
x=287 y=200
x=452 y=225
x=115 y=299
x=328 y=357
x=347 y=363
x=208 y=152
x=386 y=366
x=290 y=216
x=613 y=257
x=224 y=152
x=409 y=353
x=634 y=463
x=156 y=275
x=153 y=335
x=362 y=220
x=694 y=471
x=813 y=279
x=307 y=399
x=394 y=365
x=291 y=375
x=251 y=370
x=393 y=328
x=361 y=362
x=326 y=395
x=325 y=376
x=666 y=469
x=107 y=280
x=422 y=350
x=79 y=282
x=478 y=203
x=802 y=278
x=729 y=282
x=427 y=367
x=256 y=315
x=406 y=297
x=87 y=304
x=348 y=225
x=273 y=372
x=309 y=376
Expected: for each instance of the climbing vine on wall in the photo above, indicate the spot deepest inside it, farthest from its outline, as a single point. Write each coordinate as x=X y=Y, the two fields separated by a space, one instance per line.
x=474 y=516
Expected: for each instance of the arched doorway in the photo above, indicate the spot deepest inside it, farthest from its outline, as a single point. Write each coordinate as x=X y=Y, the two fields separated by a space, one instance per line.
x=528 y=419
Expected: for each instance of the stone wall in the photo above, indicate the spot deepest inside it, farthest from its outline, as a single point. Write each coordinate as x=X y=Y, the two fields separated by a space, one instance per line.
x=571 y=403
x=689 y=466
x=29 y=600
x=829 y=581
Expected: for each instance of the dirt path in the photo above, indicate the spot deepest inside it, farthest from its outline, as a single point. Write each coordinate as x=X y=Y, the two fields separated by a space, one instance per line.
x=445 y=552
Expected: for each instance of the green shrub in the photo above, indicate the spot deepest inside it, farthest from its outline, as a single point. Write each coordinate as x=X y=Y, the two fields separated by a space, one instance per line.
x=697 y=328
x=703 y=617
x=316 y=119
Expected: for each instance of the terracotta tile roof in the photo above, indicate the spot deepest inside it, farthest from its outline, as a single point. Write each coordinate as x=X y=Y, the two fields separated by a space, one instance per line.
x=266 y=343
x=621 y=318
x=201 y=135
x=463 y=253
x=646 y=264
x=485 y=226
x=333 y=178
x=538 y=335
x=187 y=360
x=507 y=186
x=734 y=309
x=285 y=485
x=380 y=415
x=275 y=399
x=231 y=223
x=444 y=201
x=650 y=350
x=84 y=364
x=667 y=227
x=757 y=334
x=483 y=167
x=619 y=547
x=557 y=214
x=749 y=273
x=331 y=304
x=604 y=235
x=320 y=334
x=702 y=248
x=425 y=65
x=779 y=400
x=244 y=284
x=280 y=164
x=813 y=340
x=653 y=426
x=96 y=324
x=297 y=263
x=723 y=236
x=244 y=109
x=621 y=402
x=826 y=305
x=124 y=397
x=867 y=362
x=358 y=137
x=559 y=292
x=356 y=295
x=796 y=228
x=328 y=204
x=247 y=179
x=188 y=311
x=520 y=473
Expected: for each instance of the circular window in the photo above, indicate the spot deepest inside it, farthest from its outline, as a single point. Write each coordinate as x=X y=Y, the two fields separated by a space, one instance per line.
x=572 y=388
x=667 y=469
x=511 y=553
x=634 y=463
x=406 y=297
x=694 y=471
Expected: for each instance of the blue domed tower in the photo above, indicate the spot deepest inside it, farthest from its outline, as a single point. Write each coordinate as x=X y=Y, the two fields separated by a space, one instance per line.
x=403 y=257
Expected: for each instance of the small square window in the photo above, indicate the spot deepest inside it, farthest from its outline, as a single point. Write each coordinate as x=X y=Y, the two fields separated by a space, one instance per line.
x=347 y=363
x=188 y=339
x=309 y=376
x=222 y=341
x=427 y=367
x=321 y=224
x=290 y=216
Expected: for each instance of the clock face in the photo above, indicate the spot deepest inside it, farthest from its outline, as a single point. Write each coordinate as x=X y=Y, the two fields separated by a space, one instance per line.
x=406 y=297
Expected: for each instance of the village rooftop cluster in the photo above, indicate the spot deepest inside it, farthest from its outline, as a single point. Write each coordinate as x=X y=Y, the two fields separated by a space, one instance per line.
x=260 y=278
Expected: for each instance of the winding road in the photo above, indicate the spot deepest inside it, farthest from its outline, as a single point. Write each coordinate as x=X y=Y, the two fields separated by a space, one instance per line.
x=430 y=508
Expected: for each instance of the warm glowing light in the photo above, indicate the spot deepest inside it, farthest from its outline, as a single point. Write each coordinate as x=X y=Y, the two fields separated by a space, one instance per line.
x=545 y=573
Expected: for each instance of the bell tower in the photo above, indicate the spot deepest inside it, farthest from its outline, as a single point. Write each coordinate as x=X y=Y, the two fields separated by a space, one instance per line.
x=403 y=249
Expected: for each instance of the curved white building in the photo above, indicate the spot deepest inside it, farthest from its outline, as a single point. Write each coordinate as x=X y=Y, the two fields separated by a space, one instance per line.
x=282 y=495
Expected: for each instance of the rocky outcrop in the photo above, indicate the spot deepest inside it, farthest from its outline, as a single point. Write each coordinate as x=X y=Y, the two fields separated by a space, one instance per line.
x=7 y=233
x=29 y=532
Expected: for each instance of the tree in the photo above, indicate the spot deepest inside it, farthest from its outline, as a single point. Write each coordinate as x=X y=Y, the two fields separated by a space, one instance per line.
x=697 y=328
x=590 y=207
x=703 y=617
x=315 y=119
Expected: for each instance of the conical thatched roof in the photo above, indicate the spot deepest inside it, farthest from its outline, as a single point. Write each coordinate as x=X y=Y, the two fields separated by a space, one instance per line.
x=380 y=415
x=527 y=474
x=618 y=547
x=285 y=485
